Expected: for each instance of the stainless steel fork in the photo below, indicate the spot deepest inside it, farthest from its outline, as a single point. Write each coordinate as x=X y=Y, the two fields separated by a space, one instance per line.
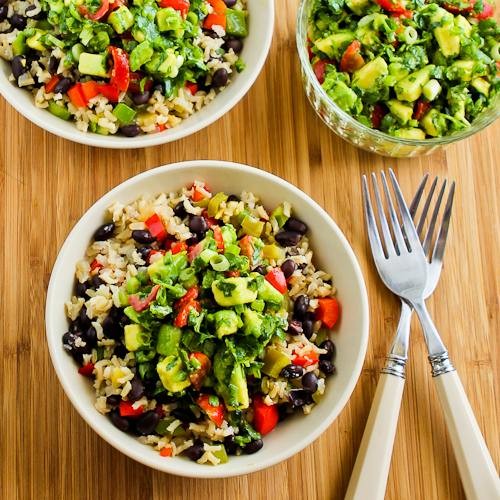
x=402 y=265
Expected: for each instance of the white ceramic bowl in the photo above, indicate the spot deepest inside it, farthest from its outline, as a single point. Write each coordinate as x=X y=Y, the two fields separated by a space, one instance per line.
x=331 y=252
x=254 y=54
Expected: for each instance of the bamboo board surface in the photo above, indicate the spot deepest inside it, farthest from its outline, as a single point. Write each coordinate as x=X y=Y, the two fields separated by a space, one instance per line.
x=46 y=183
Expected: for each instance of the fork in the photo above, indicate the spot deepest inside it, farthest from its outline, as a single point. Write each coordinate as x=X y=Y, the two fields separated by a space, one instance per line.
x=402 y=266
x=370 y=472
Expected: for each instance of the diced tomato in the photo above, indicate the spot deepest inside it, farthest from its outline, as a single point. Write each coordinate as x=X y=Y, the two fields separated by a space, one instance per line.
x=219 y=6
x=379 y=111
x=51 y=84
x=319 y=68
x=468 y=8
x=98 y=14
x=487 y=12
x=192 y=87
x=328 y=311
x=219 y=240
x=141 y=304
x=246 y=247
x=166 y=451
x=86 y=370
x=90 y=89
x=161 y=127
x=199 y=375
x=95 y=265
x=352 y=60
x=178 y=246
x=120 y=74
x=395 y=8
x=265 y=417
x=311 y=358
x=214 y=19
x=277 y=279
x=191 y=294
x=194 y=251
x=420 y=110
x=232 y=274
x=156 y=228
x=214 y=413
x=184 y=305
x=109 y=91
x=127 y=410
x=198 y=195
x=76 y=96
x=181 y=5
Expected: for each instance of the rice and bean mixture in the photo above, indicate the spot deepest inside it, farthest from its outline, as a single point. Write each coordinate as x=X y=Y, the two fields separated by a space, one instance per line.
x=202 y=321
x=113 y=66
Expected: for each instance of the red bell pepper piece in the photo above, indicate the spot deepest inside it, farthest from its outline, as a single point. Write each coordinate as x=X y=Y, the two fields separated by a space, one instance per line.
x=328 y=311
x=311 y=358
x=265 y=417
x=127 y=410
x=219 y=6
x=86 y=370
x=98 y=14
x=379 y=111
x=219 y=240
x=352 y=60
x=178 y=246
x=109 y=91
x=166 y=451
x=161 y=127
x=141 y=304
x=181 y=5
x=116 y=4
x=421 y=108
x=90 y=89
x=51 y=84
x=319 y=68
x=76 y=96
x=190 y=295
x=395 y=8
x=487 y=12
x=214 y=19
x=156 y=227
x=214 y=413
x=95 y=264
x=277 y=279
x=192 y=87
x=199 y=375
x=181 y=319
x=120 y=74
x=197 y=195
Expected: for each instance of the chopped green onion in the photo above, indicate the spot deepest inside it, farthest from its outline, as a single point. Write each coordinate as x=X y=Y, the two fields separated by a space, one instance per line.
x=409 y=35
x=219 y=263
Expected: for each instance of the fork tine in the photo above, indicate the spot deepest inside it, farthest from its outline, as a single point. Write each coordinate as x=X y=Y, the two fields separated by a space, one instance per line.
x=410 y=231
x=418 y=195
x=396 y=228
x=440 y=244
x=432 y=224
x=427 y=204
x=371 y=224
x=386 y=232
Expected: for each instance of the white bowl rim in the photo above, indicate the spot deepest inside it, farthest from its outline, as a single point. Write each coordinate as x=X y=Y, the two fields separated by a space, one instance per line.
x=87 y=412
x=9 y=91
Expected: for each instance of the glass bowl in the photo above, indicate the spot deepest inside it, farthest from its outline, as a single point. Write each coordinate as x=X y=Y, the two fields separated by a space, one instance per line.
x=360 y=135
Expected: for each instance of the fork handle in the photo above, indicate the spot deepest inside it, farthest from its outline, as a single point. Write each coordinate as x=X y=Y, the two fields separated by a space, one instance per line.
x=479 y=476
x=369 y=476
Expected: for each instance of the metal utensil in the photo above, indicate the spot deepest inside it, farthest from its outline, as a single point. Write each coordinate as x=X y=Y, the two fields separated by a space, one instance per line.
x=403 y=267
x=370 y=472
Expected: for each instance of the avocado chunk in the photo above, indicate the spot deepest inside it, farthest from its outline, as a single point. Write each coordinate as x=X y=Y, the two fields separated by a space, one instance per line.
x=366 y=77
x=358 y=6
x=448 y=40
x=274 y=362
x=230 y=379
x=461 y=70
x=121 y=19
x=141 y=55
x=434 y=123
x=481 y=85
x=169 y=337
x=169 y=68
x=268 y=293
x=252 y=322
x=238 y=389
x=227 y=322
x=135 y=337
x=230 y=292
x=401 y=111
x=410 y=133
x=410 y=88
x=463 y=24
x=93 y=64
x=333 y=45
x=172 y=374
x=168 y=19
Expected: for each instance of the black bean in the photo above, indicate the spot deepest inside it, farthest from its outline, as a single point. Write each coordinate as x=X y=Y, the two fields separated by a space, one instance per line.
x=287 y=238
x=144 y=253
x=299 y=397
x=288 y=267
x=308 y=328
x=113 y=400
x=230 y=3
x=158 y=87
x=147 y=422
x=36 y=16
x=260 y=270
x=220 y=78
x=90 y=336
x=110 y=327
x=230 y=445
x=17 y=21
x=53 y=64
x=253 y=446
x=118 y=421
x=141 y=97
x=4 y=9
x=232 y=197
x=142 y=236
x=296 y=225
x=163 y=398
x=3 y=2
x=80 y=289
x=104 y=232
x=62 y=87
x=283 y=412
x=75 y=327
x=193 y=240
x=326 y=366
x=95 y=282
x=120 y=351
x=300 y=307
x=137 y=390
x=18 y=63
x=183 y=414
x=130 y=130
x=292 y=371
x=150 y=389
x=198 y=224
x=330 y=350
x=295 y=327
x=196 y=451
x=310 y=382
x=179 y=210
x=83 y=318
x=73 y=344
x=234 y=43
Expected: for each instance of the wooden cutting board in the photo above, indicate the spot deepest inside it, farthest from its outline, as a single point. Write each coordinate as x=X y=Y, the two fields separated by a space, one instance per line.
x=46 y=183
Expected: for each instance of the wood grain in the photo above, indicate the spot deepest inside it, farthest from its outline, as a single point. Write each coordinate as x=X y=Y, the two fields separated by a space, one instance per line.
x=47 y=183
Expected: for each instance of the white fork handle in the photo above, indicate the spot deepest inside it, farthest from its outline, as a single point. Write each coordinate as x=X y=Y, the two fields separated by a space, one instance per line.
x=479 y=476
x=369 y=476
